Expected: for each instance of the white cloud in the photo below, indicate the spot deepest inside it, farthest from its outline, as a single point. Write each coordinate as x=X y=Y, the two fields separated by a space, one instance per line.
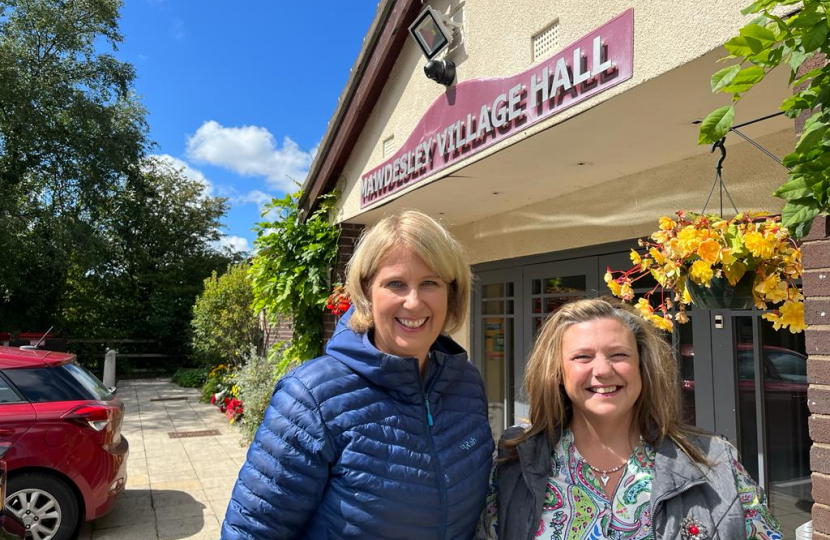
x=257 y=197
x=250 y=151
x=234 y=243
x=187 y=170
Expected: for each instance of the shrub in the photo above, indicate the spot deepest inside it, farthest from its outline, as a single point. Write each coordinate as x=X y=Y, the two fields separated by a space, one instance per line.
x=190 y=378
x=224 y=323
x=256 y=384
x=217 y=380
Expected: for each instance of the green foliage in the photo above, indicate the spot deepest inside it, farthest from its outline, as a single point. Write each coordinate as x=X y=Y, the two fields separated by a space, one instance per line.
x=159 y=251
x=290 y=272
x=97 y=239
x=190 y=378
x=765 y=43
x=225 y=325
x=256 y=382
x=71 y=132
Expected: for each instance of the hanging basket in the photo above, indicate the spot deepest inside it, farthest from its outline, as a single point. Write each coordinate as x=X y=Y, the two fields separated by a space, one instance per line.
x=721 y=294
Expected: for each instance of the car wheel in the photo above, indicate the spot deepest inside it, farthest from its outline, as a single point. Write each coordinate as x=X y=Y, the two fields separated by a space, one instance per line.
x=46 y=505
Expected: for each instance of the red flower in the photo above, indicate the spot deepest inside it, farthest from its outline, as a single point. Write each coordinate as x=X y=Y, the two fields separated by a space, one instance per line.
x=213 y=399
x=338 y=302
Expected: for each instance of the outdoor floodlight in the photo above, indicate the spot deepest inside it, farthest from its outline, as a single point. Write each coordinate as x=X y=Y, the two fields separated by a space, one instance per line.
x=431 y=32
x=440 y=71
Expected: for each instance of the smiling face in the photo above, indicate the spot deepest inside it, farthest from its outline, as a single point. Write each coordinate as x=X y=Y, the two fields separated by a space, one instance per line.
x=601 y=370
x=409 y=305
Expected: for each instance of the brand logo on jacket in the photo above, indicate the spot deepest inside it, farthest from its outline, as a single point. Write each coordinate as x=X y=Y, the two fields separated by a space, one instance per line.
x=469 y=443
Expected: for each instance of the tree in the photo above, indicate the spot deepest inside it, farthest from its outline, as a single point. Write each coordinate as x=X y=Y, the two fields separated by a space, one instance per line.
x=160 y=239
x=72 y=135
x=762 y=45
x=225 y=326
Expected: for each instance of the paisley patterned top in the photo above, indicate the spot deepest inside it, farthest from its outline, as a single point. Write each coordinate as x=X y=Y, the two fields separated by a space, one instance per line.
x=576 y=507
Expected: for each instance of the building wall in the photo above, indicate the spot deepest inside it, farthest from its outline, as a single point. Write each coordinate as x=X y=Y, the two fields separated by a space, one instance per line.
x=629 y=207
x=497 y=42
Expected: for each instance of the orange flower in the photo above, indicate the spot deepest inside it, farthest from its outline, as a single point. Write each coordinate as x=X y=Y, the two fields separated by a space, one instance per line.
x=709 y=251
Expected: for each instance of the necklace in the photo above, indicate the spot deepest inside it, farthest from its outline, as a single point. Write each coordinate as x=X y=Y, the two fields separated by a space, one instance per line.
x=603 y=472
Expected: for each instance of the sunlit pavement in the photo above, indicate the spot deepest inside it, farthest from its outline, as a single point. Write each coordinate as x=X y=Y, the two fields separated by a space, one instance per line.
x=176 y=488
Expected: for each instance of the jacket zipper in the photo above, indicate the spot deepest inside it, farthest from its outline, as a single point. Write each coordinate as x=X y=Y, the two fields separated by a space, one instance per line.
x=439 y=470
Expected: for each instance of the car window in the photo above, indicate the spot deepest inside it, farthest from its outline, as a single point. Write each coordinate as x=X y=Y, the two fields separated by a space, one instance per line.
x=7 y=395
x=43 y=384
x=746 y=366
x=88 y=381
x=791 y=367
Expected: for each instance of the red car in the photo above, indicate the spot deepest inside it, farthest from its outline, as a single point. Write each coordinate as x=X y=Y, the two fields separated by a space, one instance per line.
x=60 y=435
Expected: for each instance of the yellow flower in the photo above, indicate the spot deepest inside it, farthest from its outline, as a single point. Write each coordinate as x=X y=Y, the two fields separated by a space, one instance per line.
x=626 y=293
x=709 y=251
x=616 y=288
x=690 y=239
x=608 y=277
x=792 y=316
x=663 y=323
x=681 y=317
x=635 y=257
x=758 y=245
x=644 y=307
x=774 y=318
x=667 y=223
x=657 y=255
x=701 y=273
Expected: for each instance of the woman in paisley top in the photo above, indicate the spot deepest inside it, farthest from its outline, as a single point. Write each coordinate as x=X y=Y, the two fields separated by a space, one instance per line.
x=605 y=455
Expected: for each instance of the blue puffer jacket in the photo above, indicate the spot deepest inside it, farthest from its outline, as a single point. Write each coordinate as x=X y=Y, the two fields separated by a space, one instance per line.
x=355 y=445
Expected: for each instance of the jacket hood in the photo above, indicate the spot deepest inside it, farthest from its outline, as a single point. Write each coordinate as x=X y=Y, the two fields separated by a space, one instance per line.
x=398 y=375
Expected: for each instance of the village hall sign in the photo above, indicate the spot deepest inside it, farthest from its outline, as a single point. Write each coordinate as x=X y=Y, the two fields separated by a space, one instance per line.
x=478 y=113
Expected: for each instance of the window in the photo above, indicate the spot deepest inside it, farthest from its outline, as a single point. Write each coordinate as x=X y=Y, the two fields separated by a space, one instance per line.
x=69 y=382
x=7 y=395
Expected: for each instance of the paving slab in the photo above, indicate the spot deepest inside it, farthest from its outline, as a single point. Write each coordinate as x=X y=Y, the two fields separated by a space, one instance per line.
x=177 y=489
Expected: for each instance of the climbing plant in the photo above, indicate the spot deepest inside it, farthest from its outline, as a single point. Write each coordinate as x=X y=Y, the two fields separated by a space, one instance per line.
x=290 y=272
x=770 y=40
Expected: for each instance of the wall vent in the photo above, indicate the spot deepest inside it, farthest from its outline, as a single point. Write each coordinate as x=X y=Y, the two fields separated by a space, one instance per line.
x=546 y=42
x=388 y=146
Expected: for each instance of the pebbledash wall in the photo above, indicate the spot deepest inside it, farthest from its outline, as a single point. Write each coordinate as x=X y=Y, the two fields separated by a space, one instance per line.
x=545 y=191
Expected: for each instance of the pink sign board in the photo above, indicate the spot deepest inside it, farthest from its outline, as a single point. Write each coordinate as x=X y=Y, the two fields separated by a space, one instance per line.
x=478 y=113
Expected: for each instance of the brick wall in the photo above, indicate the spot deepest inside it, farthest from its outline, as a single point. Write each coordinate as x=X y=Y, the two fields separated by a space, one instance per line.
x=349 y=233
x=816 y=283
x=282 y=331
x=816 y=287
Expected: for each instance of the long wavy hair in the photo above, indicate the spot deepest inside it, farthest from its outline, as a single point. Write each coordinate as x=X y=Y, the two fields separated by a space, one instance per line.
x=656 y=410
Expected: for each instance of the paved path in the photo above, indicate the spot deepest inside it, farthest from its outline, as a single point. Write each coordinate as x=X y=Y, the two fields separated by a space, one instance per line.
x=176 y=488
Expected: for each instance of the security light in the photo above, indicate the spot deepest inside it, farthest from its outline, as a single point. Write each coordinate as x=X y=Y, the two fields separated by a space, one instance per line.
x=431 y=32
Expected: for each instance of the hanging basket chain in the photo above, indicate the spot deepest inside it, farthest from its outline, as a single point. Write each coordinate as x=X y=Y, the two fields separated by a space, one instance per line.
x=719 y=180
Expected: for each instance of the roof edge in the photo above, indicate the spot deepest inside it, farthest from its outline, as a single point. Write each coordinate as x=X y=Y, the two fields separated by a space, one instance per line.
x=381 y=47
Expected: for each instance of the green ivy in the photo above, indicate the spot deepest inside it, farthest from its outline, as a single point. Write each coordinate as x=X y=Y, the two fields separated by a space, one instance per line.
x=290 y=273
x=762 y=45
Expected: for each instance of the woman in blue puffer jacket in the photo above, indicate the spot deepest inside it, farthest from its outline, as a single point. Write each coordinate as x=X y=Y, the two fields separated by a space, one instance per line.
x=386 y=435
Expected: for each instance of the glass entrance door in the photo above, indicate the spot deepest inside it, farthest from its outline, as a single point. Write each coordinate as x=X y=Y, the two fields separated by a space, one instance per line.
x=760 y=387
x=496 y=309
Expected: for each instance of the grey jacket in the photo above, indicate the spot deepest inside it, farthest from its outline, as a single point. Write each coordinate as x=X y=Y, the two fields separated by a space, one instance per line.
x=681 y=489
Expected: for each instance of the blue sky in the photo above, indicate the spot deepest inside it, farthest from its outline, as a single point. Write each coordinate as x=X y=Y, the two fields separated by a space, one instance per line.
x=239 y=94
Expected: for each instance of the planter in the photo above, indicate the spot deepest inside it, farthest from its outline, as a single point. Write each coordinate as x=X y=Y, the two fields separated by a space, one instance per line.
x=721 y=294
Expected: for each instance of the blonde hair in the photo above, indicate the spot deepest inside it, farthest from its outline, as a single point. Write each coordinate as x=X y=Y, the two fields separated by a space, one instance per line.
x=431 y=242
x=656 y=410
